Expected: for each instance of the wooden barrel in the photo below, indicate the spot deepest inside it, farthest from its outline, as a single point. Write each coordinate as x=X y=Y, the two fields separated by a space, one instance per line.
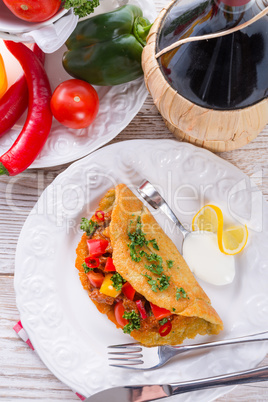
x=216 y=130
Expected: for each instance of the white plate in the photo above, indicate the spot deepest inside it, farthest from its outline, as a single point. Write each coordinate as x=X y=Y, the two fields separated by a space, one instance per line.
x=68 y=332
x=12 y=24
x=118 y=106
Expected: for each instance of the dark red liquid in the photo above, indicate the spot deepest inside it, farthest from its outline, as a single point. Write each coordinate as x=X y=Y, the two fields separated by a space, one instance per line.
x=230 y=72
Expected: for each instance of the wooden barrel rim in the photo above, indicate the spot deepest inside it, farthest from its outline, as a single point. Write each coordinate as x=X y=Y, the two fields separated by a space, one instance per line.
x=216 y=130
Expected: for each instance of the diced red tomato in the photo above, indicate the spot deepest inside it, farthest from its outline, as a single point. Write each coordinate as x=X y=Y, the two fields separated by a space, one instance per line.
x=141 y=309
x=165 y=329
x=128 y=291
x=97 y=247
x=100 y=215
x=109 y=266
x=95 y=278
x=160 y=312
x=119 y=311
x=92 y=262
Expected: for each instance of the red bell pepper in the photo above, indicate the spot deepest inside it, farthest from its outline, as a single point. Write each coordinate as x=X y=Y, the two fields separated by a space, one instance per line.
x=128 y=291
x=99 y=215
x=97 y=247
x=92 y=262
x=109 y=266
x=15 y=101
x=35 y=131
x=95 y=278
x=160 y=312
x=165 y=329
x=141 y=309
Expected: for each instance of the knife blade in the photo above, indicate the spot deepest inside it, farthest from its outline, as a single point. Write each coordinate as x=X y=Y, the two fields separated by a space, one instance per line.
x=146 y=393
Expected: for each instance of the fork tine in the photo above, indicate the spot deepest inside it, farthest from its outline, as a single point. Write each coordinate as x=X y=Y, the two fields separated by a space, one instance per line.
x=127 y=365
x=125 y=346
x=132 y=354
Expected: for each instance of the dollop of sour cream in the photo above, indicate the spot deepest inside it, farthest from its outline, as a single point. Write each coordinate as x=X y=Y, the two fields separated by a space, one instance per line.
x=204 y=258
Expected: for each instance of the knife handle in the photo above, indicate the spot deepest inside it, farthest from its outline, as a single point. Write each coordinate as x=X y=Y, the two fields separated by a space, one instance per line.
x=242 y=377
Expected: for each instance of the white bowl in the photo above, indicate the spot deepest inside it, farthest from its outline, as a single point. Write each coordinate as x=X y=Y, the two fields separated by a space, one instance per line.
x=11 y=24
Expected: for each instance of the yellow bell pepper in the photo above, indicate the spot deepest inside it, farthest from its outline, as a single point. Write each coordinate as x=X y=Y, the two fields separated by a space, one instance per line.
x=3 y=77
x=107 y=287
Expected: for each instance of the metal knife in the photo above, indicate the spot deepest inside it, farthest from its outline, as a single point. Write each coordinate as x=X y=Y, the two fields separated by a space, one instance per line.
x=143 y=393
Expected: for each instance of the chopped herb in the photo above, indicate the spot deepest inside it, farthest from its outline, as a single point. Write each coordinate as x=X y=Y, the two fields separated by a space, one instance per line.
x=154 y=244
x=152 y=282
x=86 y=268
x=173 y=309
x=118 y=281
x=180 y=292
x=88 y=226
x=159 y=283
x=163 y=321
x=155 y=269
x=170 y=263
x=134 y=321
x=81 y=7
x=133 y=252
x=163 y=282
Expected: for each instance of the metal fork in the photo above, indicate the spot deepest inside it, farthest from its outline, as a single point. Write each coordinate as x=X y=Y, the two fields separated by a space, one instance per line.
x=129 y=355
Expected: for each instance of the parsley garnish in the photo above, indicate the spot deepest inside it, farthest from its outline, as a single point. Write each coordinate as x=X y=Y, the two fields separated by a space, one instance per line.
x=161 y=283
x=180 y=292
x=154 y=244
x=88 y=226
x=134 y=321
x=118 y=281
x=155 y=269
x=170 y=263
x=173 y=309
x=81 y=7
x=163 y=321
x=86 y=268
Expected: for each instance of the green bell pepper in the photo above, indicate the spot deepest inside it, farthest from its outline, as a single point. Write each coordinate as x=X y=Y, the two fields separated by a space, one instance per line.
x=106 y=49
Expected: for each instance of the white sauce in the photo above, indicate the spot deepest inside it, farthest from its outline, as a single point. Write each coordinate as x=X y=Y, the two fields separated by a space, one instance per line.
x=203 y=256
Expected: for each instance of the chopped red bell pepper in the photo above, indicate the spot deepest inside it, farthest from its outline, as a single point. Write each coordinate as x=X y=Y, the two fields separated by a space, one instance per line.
x=128 y=291
x=160 y=312
x=141 y=309
x=95 y=278
x=165 y=329
x=100 y=215
x=92 y=262
x=109 y=266
x=97 y=247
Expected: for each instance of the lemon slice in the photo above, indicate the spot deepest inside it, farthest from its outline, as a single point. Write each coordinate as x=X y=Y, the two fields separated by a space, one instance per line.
x=210 y=218
x=234 y=240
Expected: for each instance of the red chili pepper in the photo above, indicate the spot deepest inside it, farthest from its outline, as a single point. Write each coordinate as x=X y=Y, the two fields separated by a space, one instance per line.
x=15 y=101
x=97 y=247
x=141 y=309
x=128 y=291
x=92 y=262
x=165 y=329
x=100 y=215
x=159 y=312
x=109 y=266
x=39 y=119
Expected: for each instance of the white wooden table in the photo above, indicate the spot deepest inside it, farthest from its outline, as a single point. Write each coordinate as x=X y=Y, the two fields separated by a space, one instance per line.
x=23 y=376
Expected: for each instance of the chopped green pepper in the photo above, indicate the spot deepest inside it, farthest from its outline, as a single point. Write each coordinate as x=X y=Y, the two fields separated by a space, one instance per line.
x=106 y=49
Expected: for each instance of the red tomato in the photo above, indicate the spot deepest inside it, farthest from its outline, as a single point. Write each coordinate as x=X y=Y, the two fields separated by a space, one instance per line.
x=95 y=278
x=165 y=329
x=75 y=103
x=97 y=247
x=92 y=262
x=109 y=266
x=119 y=311
x=159 y=312
x=32 y=10
x=128 y=291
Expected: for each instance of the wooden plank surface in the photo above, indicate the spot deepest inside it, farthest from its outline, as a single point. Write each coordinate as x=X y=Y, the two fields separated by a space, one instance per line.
x=23 y=376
